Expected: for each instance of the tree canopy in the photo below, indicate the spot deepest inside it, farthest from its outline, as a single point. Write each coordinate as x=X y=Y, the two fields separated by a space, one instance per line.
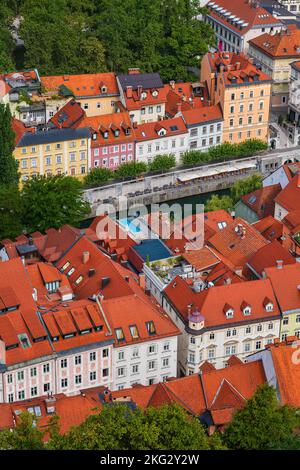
x=8 y=165
x=263 y=424
x=156 y=36
x=52 y=201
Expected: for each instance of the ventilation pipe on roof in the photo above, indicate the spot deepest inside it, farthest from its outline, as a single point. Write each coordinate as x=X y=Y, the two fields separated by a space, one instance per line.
x=85 y=256
x=279 y=263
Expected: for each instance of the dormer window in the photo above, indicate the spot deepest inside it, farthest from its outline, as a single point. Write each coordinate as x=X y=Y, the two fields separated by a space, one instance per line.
x=228 y=310
x=105 y=135
x=103 y=89
x=116 y=132
x=143 y=95
x=268 y=304
x=94 y=135
x=246 y=308
x=155 y=94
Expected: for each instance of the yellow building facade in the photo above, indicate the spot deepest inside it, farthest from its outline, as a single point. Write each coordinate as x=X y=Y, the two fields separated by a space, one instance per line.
x=54 y=152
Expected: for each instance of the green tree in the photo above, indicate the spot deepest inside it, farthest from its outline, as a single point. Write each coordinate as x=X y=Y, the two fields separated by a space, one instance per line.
x=194 y=157
x=60 y=43
x=8 y=165
x=131 y=170
x=52 y=202
x=25 y=436
x=245 y=186
x=10 y=212
x=97 y=176
x=163 y=162
x=263 y=424
x=118 y=427
x=219 y=202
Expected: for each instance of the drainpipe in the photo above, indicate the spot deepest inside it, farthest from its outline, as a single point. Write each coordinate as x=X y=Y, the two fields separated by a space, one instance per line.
x=103 y=314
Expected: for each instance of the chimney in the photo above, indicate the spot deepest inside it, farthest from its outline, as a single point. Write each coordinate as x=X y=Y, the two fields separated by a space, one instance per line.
x=139 y=91
x=133 y=71
x=172 y=84
x=85 y=256
x=279 y=263
x=129 y=91
x=179 y=106
x=189 y=309
x=238 y=65
x=250 y=60
x=92 y=272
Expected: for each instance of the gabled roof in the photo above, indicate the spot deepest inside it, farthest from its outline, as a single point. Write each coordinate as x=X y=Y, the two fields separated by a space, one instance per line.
x=238 y=241
x=136 y=310
x=202 y=115
x=215 y=301
x=284 y=44
x=247 y=14
x=268 y=255
x=21 y=328
x=83 y=85
x=286 y=282
x=261 y=201
x=147 y=81
x=92 y=272
x=289 y=197
x=270 y=228
x=68 y=115
x=109 y=123
x=52 y=136
x=150 y=130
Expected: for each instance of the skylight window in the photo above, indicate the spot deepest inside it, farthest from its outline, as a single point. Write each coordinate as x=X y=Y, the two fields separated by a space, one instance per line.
x=134 y=332
x=78 y=280
x=120 y=334
x=174 y=128
x=72 y=270
x=150 y=328
x=65 y=266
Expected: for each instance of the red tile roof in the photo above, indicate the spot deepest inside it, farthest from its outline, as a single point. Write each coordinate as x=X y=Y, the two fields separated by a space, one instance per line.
x=69 y=115
x=261 y=201
x=150 y=130
x=22 y=321
x=286 y=364
x=249 y=12
x=123 y=312
x=20 y=129
x=268 y=255
x=213 y=301
x=237 y=242
x=285 y=283
x=284 y=44
x=181 y=97
x=109 y=123
x=84 y=85
x=74 y=318
x=289 y=197
x=237 y=66
x=202 y=115
x=270 y=228
x=201 y=259
x=99 y=273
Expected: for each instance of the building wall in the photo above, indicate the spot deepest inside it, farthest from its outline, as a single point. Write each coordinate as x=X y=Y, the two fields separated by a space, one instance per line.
x=147 y=113
x=280 y=212
x=69 y=157
x=216 y=346
x=57 y=373
x=112 y=156
x=290 y=324
x=245 y=111
x=280 y=71
x=133 y=363
x=147 y=150
x=98 y=106
x=206 y=135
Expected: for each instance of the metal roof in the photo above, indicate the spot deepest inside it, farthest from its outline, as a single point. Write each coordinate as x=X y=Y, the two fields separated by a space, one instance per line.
x=145 y=80
x=50 y=136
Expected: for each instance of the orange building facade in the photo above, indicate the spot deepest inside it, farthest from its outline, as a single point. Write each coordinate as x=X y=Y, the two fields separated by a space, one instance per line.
x=243 y=92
